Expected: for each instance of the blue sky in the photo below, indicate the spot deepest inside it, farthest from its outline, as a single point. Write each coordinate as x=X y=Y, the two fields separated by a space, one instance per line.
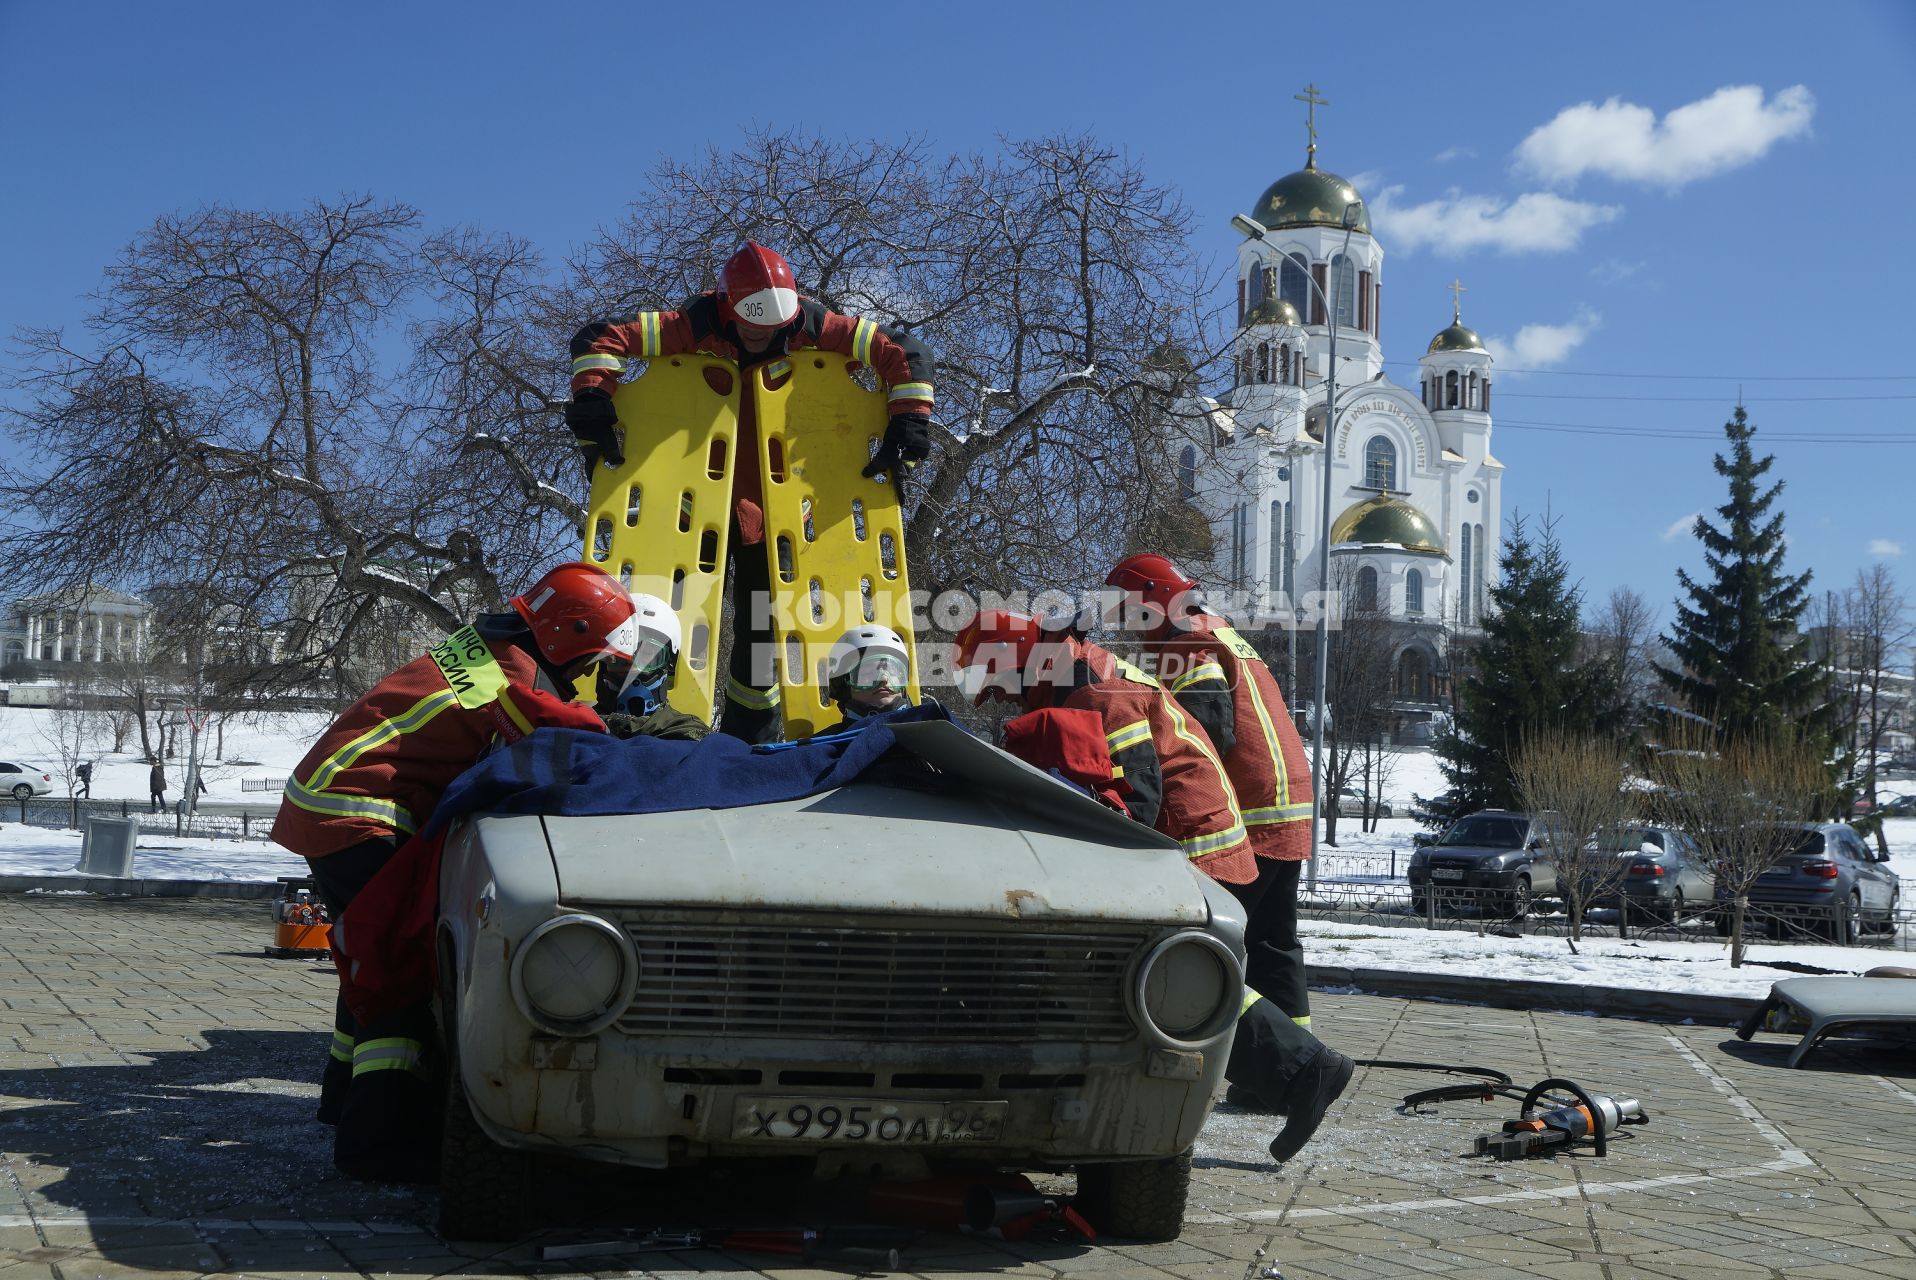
x=1758 y=236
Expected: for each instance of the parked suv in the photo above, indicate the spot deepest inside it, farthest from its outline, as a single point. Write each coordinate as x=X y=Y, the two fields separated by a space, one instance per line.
x=1830 y=879
x=1502 y=857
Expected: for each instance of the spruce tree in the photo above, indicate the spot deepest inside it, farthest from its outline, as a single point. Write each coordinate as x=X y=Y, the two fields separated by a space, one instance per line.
x=1741 y=660
x=1526 y=678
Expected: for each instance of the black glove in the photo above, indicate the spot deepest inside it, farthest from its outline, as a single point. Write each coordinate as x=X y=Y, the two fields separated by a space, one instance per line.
x=907 y=443
x=594 y=421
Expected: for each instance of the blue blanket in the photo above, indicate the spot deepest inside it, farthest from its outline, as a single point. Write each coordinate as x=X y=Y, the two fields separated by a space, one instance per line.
x=568 y=771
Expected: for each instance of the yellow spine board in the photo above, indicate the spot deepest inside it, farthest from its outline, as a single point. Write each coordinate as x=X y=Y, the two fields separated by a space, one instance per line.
x=662 y=520
x=834 y=541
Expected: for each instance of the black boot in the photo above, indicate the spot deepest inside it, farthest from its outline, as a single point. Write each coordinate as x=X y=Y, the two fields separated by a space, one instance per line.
x=1317 y=1086
x=1246 y=1099
x=332 y=1090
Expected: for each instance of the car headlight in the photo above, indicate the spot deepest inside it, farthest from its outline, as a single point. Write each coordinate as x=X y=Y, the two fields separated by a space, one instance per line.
x=574 y=974
x=1187 y=990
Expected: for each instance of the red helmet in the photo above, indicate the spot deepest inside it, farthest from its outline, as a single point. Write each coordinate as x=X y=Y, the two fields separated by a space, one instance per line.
x=759 y=288
x=579 y=611
x=1156 y=582
x=1004 y=653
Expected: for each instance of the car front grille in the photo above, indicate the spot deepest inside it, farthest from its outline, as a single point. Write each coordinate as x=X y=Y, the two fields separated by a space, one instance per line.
x=877 y=982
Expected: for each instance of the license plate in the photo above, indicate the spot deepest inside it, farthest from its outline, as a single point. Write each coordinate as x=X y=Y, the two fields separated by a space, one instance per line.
x=846 y=1120
x=1445 y=873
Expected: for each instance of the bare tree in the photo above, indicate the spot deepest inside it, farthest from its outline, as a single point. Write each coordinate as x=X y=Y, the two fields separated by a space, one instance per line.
x=1622 y=635
x=1879 y=632
x=230 y=430
x=71 y=734
x=1579 y=779
x=1359 y=687
x=1742 y=800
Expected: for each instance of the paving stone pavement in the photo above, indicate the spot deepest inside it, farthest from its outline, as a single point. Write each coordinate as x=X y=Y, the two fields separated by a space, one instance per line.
x=155 y=1119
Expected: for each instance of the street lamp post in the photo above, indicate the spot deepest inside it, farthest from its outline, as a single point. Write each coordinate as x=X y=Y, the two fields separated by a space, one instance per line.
x=1257 y=231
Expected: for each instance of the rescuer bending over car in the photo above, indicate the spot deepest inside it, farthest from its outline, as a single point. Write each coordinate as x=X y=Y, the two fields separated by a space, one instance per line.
x=375 y=776
x=1166 y=774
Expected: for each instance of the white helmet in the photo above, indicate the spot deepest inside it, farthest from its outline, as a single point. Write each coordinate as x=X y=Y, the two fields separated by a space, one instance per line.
x=866 y=657
x=654 y=657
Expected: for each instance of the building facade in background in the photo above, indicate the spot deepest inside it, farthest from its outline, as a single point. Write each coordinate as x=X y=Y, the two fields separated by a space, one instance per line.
x=1416 y=494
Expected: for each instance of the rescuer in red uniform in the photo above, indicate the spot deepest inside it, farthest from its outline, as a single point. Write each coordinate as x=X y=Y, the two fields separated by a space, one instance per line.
x=375 y=776
x=1169 y=777
x=1217 y=676
x=758 y=318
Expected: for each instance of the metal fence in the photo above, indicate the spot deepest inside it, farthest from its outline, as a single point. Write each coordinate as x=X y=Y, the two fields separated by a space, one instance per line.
x=1487 y=911
x=62 y=813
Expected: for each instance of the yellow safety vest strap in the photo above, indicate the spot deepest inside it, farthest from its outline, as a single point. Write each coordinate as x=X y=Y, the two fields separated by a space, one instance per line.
x=1129 y=736
x=1237 y=644
x=392 y=1053
x=746 y=696
x=910 y=391
x=1202 y=671
x=1134 y=675
x=1304 y=1022
x=342 y=1046
x=862 y=334
x=1250 y=998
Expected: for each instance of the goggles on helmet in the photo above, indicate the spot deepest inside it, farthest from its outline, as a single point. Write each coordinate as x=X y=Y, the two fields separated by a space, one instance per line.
x=877 y=671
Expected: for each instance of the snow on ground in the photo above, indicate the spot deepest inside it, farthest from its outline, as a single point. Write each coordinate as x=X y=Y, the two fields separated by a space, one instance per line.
x=268 y=747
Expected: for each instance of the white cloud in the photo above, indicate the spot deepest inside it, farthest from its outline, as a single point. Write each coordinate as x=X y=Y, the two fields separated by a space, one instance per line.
x=1680 y=526
x=1538 y=346
x=1621 y=140
x=1535 y=222
x=1883 y=548
x=1616 y=271
x=1454 y=153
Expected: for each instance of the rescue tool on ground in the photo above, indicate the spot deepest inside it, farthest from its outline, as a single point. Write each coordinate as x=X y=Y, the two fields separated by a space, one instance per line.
x=1580 y=1116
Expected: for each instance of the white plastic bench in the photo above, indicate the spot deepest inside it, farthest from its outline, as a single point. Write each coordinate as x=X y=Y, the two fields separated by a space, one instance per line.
x=1829 y=1005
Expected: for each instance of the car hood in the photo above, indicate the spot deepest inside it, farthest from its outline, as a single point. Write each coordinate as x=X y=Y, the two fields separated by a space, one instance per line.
x=1006 y=841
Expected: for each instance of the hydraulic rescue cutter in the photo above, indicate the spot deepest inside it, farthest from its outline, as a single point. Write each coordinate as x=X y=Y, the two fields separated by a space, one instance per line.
x=1592 y=1116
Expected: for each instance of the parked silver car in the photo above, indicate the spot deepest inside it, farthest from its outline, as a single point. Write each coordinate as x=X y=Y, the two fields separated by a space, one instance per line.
x=1005 y=974
x=1830 y=881
x=24 y=781
x=1666 y=876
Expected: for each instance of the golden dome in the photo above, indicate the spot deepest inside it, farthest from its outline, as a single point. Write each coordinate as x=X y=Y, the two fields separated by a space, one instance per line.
x=1457 y=338
x=1272 y=310
x=1308 y=198
x=1384 y=519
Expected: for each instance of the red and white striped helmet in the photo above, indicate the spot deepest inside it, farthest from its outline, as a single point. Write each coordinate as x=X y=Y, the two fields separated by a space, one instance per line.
x=759 y=288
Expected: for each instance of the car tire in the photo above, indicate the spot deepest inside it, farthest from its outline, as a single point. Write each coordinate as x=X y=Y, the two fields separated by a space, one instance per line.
x=483 y=1187
x=1677 y=908
x=1519 y=903
x=1136 y=1199
x=1419 y=903
x=1888 y=923
x=22 y=791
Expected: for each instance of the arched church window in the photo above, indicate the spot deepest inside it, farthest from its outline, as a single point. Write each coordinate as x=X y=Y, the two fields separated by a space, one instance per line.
x=1240 y=304
x=1450 y=389
x=1470 y=399
x=1284 y=363
x=1367 y=588
x=1414 y=591
x=1187 y=473
x=1344 y=291
x=1380 y=463
x=1294 y=283
x=1486 y=404
x=1254 y=284
x=1263 y=362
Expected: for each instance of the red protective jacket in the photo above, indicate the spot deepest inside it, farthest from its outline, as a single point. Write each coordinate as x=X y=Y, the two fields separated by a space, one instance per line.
x=603 y=350
x=1172 y=777
x=1218 y=677
x=382 y=766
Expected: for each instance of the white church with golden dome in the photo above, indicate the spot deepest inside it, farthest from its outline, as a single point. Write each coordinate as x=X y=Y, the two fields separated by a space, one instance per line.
x=1416 y=495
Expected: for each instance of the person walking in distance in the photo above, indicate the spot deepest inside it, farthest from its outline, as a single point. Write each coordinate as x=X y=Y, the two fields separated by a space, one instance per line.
x=156 y=786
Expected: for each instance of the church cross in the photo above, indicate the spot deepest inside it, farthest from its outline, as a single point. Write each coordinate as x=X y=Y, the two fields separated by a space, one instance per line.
x=1310 y=96
x=1457 y=292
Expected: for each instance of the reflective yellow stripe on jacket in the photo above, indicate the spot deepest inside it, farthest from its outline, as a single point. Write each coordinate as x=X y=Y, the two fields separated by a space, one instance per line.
x=1128 y=736
x=746 y=696
x=1198 y=846
x=910 y=391
x=473 y=678
x=1284 y=810
x=598 y=360
x=1202 y=671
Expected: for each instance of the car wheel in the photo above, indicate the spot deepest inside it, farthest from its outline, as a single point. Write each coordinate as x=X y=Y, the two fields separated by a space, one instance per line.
x=1519 y=903
x=1136 y=1199
x=1888 y=923
x=21 y=791
x=483 y=1187
x=1419 y=903
x=1677 y=910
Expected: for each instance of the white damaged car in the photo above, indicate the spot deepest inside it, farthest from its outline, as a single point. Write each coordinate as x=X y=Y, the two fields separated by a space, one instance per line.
x=1000 y=974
